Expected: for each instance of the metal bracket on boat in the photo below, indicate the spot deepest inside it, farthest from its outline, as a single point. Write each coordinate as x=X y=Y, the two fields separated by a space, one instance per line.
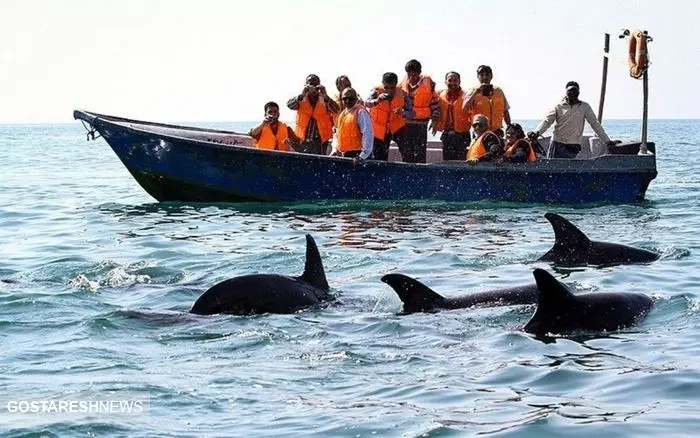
x=91 y=131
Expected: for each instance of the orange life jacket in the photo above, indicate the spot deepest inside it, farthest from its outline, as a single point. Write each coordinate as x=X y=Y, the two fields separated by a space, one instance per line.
x=461 y=118
x=324 y=121
x=530 y=154
x=383 y=117
x=269 y=140
x=422 y=96
x=477 y=148
x=349 y=134
x=493 y=107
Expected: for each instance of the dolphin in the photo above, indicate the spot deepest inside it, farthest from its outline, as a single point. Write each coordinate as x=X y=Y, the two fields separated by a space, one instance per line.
x=560 y=311
x=573 y=248
x=268 y=293
x=417 y=297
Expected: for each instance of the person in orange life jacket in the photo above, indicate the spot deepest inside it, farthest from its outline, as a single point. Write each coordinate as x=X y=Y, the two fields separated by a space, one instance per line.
x=273 y=134
x=454 y=121
x=355 y=135
x=421 y=89
x=570 y=115
x=486 y=145
x=388 y=106
x=314 y=122
x=488 y=100
x=517 y=149
x=342 y=82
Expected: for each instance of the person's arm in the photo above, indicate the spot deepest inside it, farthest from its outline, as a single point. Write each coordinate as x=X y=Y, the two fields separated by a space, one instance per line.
x=468 y=98
x=595 y=124
x=293 y=103
x=364 y=121
x=506 y=110
x=255 y=132
x=408 y=106
x=372 y=98
x=547 y=122
x=331 y=105
x=493 y=148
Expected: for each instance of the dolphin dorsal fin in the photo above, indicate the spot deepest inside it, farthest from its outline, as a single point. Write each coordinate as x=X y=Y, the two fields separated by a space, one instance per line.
x=313 y=269
x=569 y=241
x=416 y=296
x=551 y=290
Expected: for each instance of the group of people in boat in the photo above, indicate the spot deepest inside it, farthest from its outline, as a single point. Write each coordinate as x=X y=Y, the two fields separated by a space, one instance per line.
x=471 y=122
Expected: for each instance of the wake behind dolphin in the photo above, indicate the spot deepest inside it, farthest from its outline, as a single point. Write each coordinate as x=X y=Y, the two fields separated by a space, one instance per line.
x=573 y=248
x=560 y=311
x=417 y=297
x=268 y=293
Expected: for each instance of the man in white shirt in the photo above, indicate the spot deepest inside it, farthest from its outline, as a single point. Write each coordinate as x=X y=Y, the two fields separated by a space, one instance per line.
x=570 y=115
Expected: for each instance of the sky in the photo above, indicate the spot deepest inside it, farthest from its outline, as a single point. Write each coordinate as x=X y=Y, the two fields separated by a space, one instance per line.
x=221 y=60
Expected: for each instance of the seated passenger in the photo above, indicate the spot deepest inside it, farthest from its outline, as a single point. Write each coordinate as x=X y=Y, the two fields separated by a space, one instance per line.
x=486 y=145
x=355 y=135
x=388 y=106
x=273 y=134
x=454 y=120
x=518 y=149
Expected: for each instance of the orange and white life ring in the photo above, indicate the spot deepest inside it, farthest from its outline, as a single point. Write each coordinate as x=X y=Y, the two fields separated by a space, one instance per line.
x=638 y=56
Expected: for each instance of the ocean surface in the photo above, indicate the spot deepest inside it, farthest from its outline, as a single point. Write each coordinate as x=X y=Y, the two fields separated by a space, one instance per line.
x=97 y=278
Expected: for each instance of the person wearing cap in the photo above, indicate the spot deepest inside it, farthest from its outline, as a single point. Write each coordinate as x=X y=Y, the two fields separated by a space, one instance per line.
x=569 y=117
x=355 y=134
x=488 y=100
x=486 y=145
x=421 y=90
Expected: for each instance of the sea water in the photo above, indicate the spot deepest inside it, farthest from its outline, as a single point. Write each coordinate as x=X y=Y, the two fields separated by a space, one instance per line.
x=96 y=279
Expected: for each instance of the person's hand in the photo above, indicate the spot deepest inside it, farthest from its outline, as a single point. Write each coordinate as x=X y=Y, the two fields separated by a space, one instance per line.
x=532 y=135
x=384 y=96
x=399 y=112
x=321 y=90
x=308 y=89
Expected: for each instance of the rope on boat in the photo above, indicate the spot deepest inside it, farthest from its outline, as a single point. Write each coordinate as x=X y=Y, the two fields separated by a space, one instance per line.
x=91 y=131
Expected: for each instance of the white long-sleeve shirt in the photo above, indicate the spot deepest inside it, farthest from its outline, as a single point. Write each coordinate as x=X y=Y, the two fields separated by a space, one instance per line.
x=569 y=122
x=364 y=121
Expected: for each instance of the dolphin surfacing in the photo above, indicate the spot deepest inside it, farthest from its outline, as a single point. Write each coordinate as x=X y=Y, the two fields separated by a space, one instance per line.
x=560 y=311
x=417 y=297
x=573 y=248
x=268 y=293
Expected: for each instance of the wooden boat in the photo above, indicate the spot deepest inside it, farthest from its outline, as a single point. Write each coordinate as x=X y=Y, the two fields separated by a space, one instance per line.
x=189 y=164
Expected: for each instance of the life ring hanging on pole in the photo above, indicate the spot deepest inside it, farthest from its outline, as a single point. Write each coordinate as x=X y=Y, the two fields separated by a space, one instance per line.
x=638 y=59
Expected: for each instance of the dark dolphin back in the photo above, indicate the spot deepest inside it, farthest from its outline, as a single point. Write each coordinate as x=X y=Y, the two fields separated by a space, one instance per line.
x=313 y=270
x=605 y=253
x=416 y=296
x=553 y=305
x=571 y=245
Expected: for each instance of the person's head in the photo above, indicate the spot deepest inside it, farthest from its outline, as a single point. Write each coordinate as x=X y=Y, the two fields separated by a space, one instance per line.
x=572 y=91
x=272 y=111
x=480 y=124
x=349 y=97
x=413 y=71
x=514 y=132
x=389 y=80
x=484 y=74
x=314 y=81
x=342 y=82
x=453 y=80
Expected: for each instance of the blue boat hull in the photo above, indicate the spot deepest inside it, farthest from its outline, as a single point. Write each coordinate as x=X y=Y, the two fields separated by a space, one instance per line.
x=176 y=168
